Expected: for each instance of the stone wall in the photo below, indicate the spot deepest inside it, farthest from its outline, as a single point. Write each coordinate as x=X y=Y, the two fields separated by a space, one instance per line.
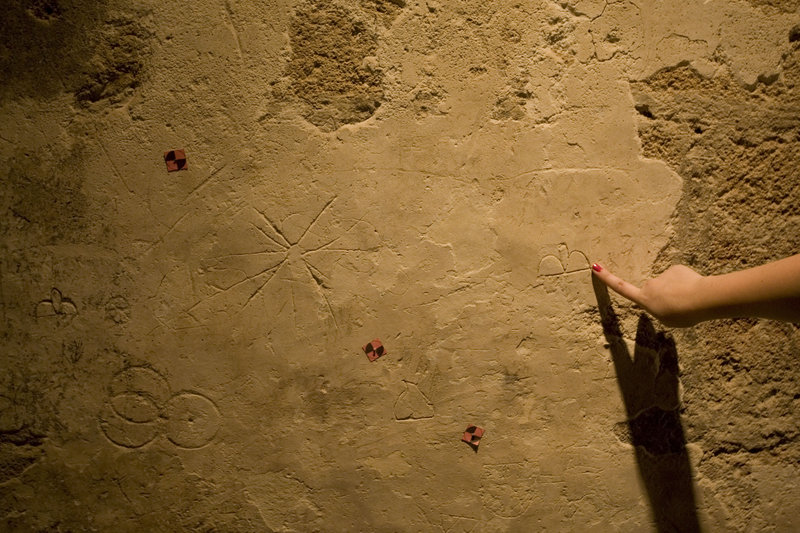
x=182 y=350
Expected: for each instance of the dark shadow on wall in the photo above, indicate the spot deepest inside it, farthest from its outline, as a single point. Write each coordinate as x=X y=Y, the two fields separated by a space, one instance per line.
x=648 y=382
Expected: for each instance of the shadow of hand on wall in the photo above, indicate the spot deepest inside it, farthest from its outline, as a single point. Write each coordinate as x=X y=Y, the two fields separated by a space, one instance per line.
x=648 y=382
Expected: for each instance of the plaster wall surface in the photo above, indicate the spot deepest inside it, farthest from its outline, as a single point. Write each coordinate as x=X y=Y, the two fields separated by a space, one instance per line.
x=181 y=351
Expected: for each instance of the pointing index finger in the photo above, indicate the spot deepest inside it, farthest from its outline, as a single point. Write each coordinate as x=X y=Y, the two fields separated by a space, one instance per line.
x=618 y=285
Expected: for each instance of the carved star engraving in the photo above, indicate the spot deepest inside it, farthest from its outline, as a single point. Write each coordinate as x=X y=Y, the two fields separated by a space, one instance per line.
x=293 y=262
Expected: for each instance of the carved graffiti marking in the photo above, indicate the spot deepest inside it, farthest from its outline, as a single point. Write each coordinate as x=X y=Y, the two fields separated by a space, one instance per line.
x=566 y=262
x=141 y=407
x=56 y=306
x=72 y=351
x=412 y=404
x=296 y=257
x=192 y=420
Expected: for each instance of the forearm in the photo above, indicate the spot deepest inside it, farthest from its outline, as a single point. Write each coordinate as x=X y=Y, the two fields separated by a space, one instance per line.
x=767 y=291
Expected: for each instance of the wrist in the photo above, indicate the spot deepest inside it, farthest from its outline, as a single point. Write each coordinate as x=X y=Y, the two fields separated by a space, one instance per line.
x=703 y=299
x=721 y=296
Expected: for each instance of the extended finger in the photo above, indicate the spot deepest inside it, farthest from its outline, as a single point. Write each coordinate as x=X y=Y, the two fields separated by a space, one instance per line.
x=618 y=285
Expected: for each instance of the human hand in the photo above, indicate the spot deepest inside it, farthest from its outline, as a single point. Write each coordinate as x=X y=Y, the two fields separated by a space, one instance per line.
x=673 y=297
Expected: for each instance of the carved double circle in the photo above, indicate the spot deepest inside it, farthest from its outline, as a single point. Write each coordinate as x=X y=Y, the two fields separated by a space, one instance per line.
x=141 y=406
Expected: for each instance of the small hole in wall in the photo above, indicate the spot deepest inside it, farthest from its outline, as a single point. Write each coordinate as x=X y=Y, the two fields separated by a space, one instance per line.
x=644 y=110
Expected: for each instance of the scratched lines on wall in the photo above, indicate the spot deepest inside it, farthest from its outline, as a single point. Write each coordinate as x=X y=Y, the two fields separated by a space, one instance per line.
x=284 y=269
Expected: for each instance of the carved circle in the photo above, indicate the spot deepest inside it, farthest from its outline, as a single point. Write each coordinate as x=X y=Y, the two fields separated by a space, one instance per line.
x=141 y=406
x=142 y=381
x=134 y=408
x=192 y=420
x=125 y=433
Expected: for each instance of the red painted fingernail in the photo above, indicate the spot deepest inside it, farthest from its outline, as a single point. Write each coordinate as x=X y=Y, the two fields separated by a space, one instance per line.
x=596 y=267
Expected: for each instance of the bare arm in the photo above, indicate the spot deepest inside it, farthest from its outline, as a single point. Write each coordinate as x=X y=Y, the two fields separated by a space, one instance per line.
x=682 y=297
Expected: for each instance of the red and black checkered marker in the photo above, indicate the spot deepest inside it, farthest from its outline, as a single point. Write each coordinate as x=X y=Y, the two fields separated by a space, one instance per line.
x=374 y=350
x=472 y=436
x=176 y=160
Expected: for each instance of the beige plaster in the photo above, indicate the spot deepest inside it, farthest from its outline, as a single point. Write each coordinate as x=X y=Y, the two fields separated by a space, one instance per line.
x=182 y=351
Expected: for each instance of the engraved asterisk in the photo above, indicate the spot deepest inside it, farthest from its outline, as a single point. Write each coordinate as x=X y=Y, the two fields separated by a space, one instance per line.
x=287 y=258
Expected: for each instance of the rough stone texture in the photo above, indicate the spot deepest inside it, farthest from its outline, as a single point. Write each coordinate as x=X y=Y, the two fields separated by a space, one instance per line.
x=49 y=46
x=332 y=68
x=182 y=351
x=737 y=149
